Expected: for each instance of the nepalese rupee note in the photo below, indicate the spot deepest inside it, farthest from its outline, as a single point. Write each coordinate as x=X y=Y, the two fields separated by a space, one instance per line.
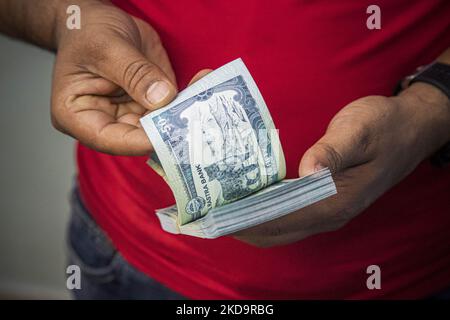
x=217 y=147
x=216 y=143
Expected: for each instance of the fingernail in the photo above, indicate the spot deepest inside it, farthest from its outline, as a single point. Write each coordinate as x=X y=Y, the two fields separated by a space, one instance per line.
x=318 y=167
x=158 y=91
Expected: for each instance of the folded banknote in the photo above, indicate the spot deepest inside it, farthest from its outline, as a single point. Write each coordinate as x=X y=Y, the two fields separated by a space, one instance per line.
x=218 y=149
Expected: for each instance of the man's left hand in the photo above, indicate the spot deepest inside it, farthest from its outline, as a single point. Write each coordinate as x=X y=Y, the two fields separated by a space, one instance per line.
x=370 y=145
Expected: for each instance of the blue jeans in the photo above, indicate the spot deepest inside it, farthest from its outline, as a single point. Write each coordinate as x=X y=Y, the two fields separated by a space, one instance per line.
x=104 y=272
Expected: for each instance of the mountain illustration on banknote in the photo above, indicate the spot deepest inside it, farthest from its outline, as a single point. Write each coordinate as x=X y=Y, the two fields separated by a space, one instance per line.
x=219 y=151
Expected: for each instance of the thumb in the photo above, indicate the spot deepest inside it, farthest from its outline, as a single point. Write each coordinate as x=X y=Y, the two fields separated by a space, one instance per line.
x=143 y=80
x=338 y=149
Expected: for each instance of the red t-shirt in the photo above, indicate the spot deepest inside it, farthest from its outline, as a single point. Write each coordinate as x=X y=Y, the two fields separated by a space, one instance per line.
x=309 y=59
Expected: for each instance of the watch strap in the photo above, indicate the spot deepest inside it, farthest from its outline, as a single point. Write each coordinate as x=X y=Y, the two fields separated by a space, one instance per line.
x=436 y=74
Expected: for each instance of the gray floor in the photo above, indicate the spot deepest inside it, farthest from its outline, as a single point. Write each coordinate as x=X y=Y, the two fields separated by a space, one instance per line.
x=36 y=170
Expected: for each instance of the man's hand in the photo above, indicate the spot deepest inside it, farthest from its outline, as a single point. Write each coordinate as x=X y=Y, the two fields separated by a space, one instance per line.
x=370 y=145
x=107 y=75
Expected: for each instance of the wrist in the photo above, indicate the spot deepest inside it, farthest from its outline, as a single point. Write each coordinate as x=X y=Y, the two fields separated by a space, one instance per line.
x=428 y=108
x=60 y=29
x=59 y=24
x=37 y=22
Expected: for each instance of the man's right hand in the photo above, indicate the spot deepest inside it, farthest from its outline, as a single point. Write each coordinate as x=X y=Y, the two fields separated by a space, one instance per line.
x=107 y=75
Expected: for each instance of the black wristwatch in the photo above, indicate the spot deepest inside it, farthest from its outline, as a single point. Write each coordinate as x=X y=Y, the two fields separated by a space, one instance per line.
x=438 y=75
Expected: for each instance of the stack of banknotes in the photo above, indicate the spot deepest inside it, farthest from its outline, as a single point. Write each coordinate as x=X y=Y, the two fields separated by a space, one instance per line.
x=218 y=149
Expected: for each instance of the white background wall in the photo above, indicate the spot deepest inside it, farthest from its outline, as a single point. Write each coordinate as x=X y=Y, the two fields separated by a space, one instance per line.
x=36 y=172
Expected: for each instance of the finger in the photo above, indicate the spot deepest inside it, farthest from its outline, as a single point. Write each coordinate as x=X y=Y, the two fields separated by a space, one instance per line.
x=143 y=80
x=104 y=126
x=199 y=75
x=154 y=50
x=341 y=147
x=101 y=133
x=326 y=215
x=120 y=138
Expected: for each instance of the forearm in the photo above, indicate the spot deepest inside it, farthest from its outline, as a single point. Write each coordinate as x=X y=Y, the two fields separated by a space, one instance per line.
x=431 y=108
x=33 y=21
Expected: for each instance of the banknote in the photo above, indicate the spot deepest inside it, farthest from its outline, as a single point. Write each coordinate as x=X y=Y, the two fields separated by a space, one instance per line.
x=218 y=149
x=216 y=142
x=284 y=197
